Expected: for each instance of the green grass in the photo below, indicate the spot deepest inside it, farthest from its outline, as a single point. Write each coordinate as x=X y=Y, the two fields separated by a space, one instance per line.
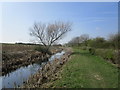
x=84 y=70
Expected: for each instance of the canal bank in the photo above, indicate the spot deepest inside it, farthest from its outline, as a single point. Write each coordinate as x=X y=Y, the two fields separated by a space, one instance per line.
x=21 y=75
x=15 y=59
x=48 y=72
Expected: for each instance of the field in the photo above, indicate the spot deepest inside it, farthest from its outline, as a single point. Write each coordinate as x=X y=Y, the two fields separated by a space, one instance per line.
x=84 y=70
x=16 y=47
x=6 y=48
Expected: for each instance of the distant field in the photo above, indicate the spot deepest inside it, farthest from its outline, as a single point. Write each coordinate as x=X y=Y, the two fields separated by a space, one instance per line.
x=17 y=47
x=21 y=47
x=84 y=70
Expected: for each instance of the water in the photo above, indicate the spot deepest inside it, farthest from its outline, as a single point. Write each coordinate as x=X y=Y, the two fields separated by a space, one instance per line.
x=19 y=76
x=57 y=55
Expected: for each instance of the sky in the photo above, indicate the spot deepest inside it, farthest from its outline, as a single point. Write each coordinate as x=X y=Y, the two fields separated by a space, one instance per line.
x=93 y=18
x=59 y=0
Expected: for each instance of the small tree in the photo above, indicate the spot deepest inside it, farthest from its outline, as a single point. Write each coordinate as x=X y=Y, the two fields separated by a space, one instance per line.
x=84 y=38
x=47 y=34
x=79 y=40
x=115 y=40
x=74 y=41
x=98 y=42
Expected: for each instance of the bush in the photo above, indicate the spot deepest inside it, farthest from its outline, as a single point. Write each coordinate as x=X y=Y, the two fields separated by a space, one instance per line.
x=91 y=50
x=43 y=50
x=107 y=54
x=83 y=47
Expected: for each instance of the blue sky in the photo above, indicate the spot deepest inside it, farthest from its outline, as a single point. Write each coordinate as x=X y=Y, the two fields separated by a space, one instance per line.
x=93 y=18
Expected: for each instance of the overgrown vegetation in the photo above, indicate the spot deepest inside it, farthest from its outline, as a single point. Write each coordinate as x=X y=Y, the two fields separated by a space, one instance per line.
x=99 y=42
x=92 y=51
x=43 y=50
x=106 y=48
x=107 y=54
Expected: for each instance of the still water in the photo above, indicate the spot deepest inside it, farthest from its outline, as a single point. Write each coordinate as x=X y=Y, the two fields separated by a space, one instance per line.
x=20 y=75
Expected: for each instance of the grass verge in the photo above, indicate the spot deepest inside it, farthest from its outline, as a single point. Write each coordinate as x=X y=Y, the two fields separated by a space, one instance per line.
x=84 y=70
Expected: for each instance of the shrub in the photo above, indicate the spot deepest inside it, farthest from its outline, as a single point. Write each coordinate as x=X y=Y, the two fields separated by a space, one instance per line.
x=83 y=47
x=43 y=50
x=107 y=54
x=92 y=51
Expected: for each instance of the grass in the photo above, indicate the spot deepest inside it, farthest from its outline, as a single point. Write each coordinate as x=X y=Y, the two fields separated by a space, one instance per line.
x=84 y=70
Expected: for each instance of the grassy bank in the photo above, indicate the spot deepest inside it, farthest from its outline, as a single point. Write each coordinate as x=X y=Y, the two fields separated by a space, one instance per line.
x=84 y=70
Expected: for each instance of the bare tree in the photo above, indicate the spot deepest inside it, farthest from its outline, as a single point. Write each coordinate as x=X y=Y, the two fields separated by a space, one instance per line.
x=78 y=40
x=75 y=40
x=83 y=38
x=47 y=34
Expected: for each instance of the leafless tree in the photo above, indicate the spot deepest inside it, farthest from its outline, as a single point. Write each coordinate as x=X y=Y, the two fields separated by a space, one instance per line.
x=78 y=40
x=47 y=34
x=83 y=38
x=75 y=40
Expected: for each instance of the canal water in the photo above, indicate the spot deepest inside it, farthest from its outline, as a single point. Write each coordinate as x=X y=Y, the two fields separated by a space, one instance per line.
x=20 y=75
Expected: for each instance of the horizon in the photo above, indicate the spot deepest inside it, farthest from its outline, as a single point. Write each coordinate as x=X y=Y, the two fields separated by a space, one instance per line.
x=97 y=19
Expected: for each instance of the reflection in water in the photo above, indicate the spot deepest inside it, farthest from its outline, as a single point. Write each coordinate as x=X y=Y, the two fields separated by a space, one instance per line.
x=19 y=76
x=57 y=55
